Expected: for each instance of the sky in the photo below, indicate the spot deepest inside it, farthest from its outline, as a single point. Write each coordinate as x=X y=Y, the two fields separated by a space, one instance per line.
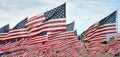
x=83 y=12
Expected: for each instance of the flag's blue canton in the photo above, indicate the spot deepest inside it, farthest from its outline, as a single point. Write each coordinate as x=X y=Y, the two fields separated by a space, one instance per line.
x=21 y=24
x=75 y=32
x=4 y=29
x=70 y=27
x=109 y=19
x=1 y=30
x=43 y=34
x=58 y=12
x=80 y=37
x=2 y=42
x=13 y=40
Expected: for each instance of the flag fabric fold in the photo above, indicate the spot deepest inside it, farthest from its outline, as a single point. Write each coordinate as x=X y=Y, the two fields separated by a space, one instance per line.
x=102 y=28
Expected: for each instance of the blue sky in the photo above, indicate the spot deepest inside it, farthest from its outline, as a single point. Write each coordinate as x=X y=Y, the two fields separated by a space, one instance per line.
x=83 y=12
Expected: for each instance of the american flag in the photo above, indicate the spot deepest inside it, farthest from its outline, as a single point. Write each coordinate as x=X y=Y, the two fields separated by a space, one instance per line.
x=118 y=37
x=81 y=37
x=102 y=28
x=75 y=33
x=45 y=47
x=63 y=39
x=92 y=54
x=101 y=50
x=61 y=54
x=4 y=29
x=76 y=45
x=70 y=27
x=89 y=31
x=3 y=32
x=59 y=35
x=53 y=41
x=25 y=54
x=112 y=45
x=98 y=39
x=18 y=31
x=12 y=46
x=53 y=20
x=101 y=37
x=38 y=39
x=49 y=26
x=68 y=41
x=93 y=45
x=112 y=42
x=79 y=47
x=21 y=24
x=52 y=36
x=35 y=21
x=23 y=42
x=72 y=52
x=3 y=36
x=6 y=46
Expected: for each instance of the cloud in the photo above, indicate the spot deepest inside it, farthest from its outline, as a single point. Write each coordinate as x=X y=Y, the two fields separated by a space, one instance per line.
x=22 y=4
x=87 y=12
x=53 y=2
x=13 y=16
x=83 y=12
